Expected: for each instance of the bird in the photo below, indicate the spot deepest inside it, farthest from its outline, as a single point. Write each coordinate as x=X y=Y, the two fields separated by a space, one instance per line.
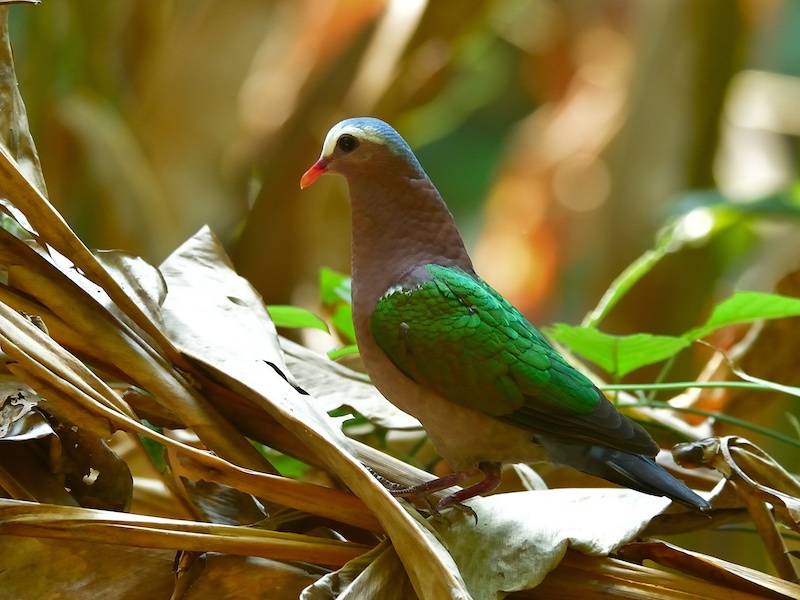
x=442 y=345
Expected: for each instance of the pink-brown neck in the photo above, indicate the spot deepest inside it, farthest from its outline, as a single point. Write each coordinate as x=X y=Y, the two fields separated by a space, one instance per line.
x=399 y=224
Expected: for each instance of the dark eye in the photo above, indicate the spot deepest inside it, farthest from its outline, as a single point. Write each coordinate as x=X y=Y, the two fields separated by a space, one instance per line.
x=347 y=143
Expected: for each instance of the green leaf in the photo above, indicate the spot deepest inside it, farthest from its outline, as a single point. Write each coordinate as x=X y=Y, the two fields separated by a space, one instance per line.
x=334 y=287
x=744 y=307
x=343 y=322
x=335 y=296
x=293 y=316
x=617 y=354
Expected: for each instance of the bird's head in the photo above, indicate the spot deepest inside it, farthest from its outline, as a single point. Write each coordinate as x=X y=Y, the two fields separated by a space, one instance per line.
x=362 y=145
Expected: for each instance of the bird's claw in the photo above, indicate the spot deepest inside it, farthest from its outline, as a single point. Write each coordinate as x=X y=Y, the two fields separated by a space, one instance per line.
x=423 y=491
x=450 y=502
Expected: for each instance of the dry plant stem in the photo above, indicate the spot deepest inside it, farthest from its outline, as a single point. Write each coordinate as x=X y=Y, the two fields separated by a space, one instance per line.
x=122 y=529
x=752 y=473
x=68 y=402
x=262 y=427
x=737 y=452
x=188 y=568
x=767 y=528
x=340 y=506
x=254 y=422
x=58 y=329
x=315 y=499
x=27 y=344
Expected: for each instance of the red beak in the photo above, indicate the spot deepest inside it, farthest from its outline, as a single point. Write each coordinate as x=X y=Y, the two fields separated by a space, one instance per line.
x=310 y=176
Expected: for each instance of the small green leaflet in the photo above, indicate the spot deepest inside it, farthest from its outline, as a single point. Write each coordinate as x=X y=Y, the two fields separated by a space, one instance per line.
x=617 y=354
x=338 y=353
x=744 y=307
x=620 y=355
x=286 y=465
x=154 y=450
x=294 y=317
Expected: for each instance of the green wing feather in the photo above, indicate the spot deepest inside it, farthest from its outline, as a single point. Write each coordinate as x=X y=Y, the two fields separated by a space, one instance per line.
x=457 y=336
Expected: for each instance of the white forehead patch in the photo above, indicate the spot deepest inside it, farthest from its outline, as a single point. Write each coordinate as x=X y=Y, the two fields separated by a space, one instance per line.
x=360 y=132
x=371 y=130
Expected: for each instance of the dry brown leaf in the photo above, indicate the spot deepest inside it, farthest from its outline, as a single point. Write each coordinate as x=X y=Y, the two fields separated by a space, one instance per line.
x=233 y=339
x=523 y=535
x=581 y=577
x=81 y=570
x=44 y=364
x=57 y=568
x=710 y=569
x=376 y=574
x=25 y=473
x=752 y=472
x=336 y=386
x=93 y=473
x=224 y=576
x=138 y=279
x=19 y=417
x=16 y=136
x=763 y=486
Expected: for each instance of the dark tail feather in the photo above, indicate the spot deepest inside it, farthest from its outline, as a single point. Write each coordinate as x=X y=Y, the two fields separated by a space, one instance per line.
x=640 y=473
x=643 y=474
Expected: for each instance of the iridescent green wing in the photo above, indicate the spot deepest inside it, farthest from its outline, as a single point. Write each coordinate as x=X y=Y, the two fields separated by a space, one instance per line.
x=455 y=335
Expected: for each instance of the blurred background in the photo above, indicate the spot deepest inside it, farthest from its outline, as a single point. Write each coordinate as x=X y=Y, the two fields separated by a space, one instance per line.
x=563 y=134
x=566 y=136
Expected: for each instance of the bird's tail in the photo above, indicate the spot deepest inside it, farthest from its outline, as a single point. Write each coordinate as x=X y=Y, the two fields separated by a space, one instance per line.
x=635 y=471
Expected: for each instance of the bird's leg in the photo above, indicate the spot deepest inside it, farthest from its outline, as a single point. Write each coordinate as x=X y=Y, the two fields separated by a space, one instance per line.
x=490 y=470
x=424 y=489
x=491 y=479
